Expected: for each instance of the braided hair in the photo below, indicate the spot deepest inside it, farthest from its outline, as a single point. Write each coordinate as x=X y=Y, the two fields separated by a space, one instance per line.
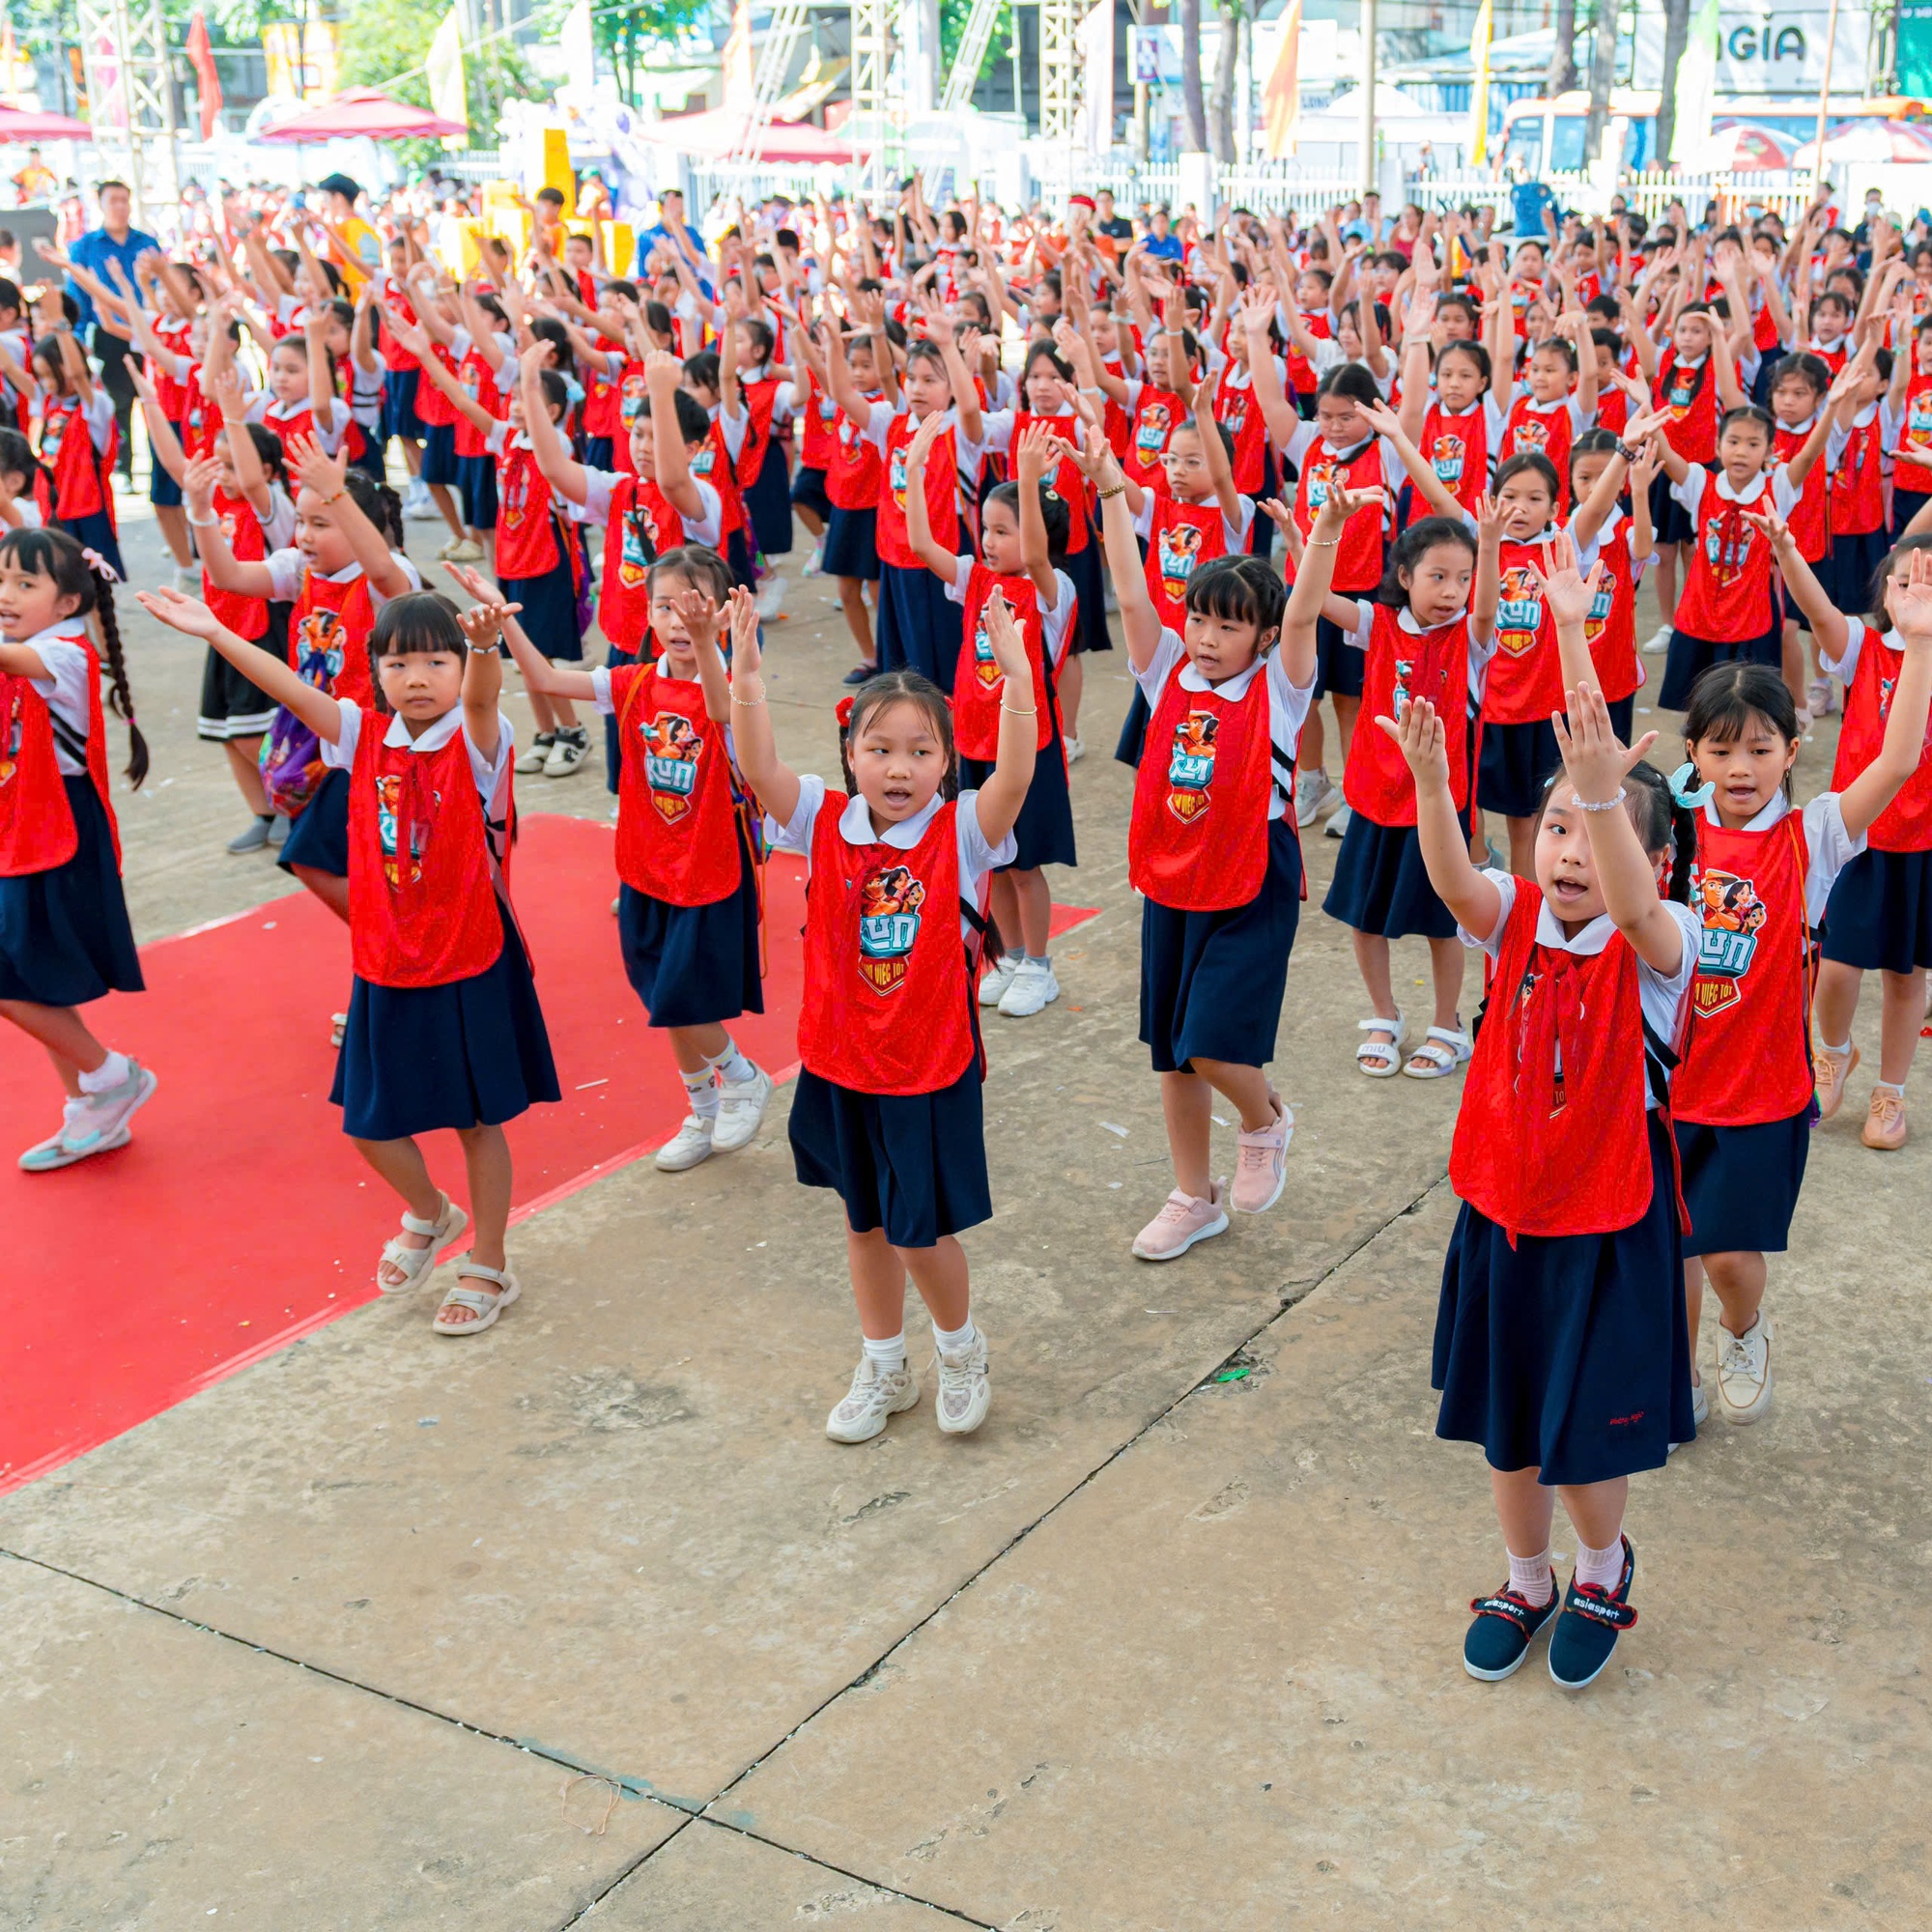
x=377 y=502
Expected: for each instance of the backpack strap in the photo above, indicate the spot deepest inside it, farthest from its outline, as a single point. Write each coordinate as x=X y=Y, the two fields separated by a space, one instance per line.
x=74 y=742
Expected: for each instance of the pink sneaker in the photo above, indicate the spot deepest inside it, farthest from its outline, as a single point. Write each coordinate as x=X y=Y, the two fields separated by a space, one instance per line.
x=1262 y=1168
x=1184 y=1220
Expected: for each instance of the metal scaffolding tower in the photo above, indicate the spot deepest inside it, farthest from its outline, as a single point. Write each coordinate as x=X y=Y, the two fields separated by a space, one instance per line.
x=129 y=103
x=1059 y=86
x=871 y=58
x=970 y=56
x=788 y=23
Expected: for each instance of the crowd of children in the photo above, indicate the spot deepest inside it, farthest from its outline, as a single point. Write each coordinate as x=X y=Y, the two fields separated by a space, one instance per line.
x=996 y=432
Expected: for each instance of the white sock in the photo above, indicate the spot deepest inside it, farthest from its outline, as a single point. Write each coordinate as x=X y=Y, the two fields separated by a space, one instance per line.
x=1604 y=1568
x=957 y=1341
x=1842 y=1052
x=888 y=1355
x=733 y=1069
x=112 y=1073
x=1891 y=1086
x=701 y=1091
x=1041 y=959
x=1532 y=1579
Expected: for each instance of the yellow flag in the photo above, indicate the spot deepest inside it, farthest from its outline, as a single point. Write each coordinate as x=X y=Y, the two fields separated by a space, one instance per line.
x=447 y=94
x=1282 y=100
x=1479 y=92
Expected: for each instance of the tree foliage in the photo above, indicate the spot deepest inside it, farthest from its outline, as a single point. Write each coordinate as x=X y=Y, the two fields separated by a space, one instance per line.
x=381 y=42
x=625 y=35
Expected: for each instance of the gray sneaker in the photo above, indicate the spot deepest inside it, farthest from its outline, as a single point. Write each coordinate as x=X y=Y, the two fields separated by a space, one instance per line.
x=254 y=838
x=874 y=1395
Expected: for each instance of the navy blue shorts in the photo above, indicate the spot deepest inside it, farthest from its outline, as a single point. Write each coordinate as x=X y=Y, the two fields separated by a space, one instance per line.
x=64 y=933
x=1339 y=666
x=1087 y=571
x=919 y=626
x=694 y=965
x=1879 y=917
x=318 y=840
x=852 y=545
x=472 y=1054
x=164 y=491
x=1381 y=885
x=550 y=615
x=399 y=403
x=1132 y=741
x=1212 y=983
x=807 y=492
x=476 y=484
x=1516 y=764
x=1569 y=1354
x=1741 y=1184
x=439 y=465
x=914 y=1164
x=1692 y=657
x=1043 y=832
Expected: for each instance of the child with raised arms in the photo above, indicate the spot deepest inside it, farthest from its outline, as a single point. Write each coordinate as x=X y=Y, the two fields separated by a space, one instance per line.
x=888 y=1109
x=1560 y=1340
x=444 y=1029
x=1212 y=848
x=65 y=940
x=1022 y=535
x=1627 y=542
x=688 y=907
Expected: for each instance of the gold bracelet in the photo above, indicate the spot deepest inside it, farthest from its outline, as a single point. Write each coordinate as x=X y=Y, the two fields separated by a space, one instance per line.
x=1104 y=495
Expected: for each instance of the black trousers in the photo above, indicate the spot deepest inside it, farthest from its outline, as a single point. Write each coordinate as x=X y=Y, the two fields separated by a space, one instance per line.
x=112 y=352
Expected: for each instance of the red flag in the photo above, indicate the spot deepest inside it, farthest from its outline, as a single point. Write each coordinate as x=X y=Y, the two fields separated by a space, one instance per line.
x=201 y=57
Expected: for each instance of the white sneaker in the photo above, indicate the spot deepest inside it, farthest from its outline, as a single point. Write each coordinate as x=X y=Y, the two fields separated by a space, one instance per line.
x=278 y=832
x=93 y=1123
x=875 y=1394
x=462 y=549
x=1314 y=794
x=691 y=1145
x=997 y=977
x=965 y=1393
x=740 y=1110
x=815 y=561
x=1034 y=986
x=188 y=578
x=1338 y=822
x=1075 y=749
x=1658 y=643
x=537 y=755
x=567 y=753
x=419 y=505
x=770 y=594
x=1700 y=1404
x=1743 y=1372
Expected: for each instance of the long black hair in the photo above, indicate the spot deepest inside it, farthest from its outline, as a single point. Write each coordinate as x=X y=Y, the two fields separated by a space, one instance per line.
x=1408 y=551
x=377 y=502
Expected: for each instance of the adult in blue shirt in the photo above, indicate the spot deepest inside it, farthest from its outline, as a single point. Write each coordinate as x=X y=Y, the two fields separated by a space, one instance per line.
x=669 y=227
x=1161 y=243
x=116 y=239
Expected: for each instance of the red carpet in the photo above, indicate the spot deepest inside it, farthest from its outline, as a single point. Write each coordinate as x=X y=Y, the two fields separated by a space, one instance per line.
x=239 y=1217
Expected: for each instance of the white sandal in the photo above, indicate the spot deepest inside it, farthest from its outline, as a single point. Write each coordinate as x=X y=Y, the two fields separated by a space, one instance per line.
x=338 y=1030
x=484 y=1306
x=416 y=1263
x=1373 y=1049
x=1445 y=1049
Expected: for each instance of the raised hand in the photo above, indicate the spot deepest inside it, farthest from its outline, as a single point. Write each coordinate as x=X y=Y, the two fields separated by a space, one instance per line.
x=1034 y=455
x=1909 y=605
x=199 y=481
x=1420 y=738
x=480 y=587
x=703 y=619
x=482 y=624
x=182 y=613
x=1593 y=759
x=1566 y=591
x=1491 y=517
x=1340 y=506
x=1009 y=647
x=748 y=656
x=314 y=469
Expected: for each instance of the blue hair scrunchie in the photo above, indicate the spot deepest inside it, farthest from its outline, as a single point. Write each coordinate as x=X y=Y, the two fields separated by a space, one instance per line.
x=1690 y=800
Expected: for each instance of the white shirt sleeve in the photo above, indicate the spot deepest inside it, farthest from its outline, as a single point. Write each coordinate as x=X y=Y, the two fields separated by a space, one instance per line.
x=490 y=773
x=1357 y=638
x=709 y=528
x=1505 y=884
x=1662 y=996
x=1845 y=667
x=795 y=836
x=376 y=597
x=341 y=755
x=1782 y=494
x=978 y=858
x=962 y=577
x=1166 y=660
x=1056 y=626
x=1833 y=848
x=1690 y=491
x=66 y=694
x=278 y=532
x=285 y=575
x=1235 y=530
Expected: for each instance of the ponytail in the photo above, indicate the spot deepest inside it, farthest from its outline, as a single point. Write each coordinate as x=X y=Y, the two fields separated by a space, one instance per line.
x=120 y=699
x=377 y=502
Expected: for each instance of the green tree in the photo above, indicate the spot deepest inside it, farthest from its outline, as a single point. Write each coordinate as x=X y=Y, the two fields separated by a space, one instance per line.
x=625 y=35
x=381 y=42
x=953 y=29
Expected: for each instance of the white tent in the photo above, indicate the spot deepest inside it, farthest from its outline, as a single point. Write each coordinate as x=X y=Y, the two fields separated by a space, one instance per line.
x=1332 y=136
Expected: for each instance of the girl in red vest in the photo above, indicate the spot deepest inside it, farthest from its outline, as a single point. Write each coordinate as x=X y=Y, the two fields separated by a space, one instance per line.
x=345 y=564
x=887 y=1108
x=1212 y=848
x=1859 y=529
x=1800 y=385
x=1879 y=912
x=1551 y=414
x=1457 y=423
x=1152 y=404
x=650 y=508
x=1728 y=609
x=444 y=1029
x=78 y=440
x=688 y=900
x=1626 y=542
x=300 y=399
x=1742 y=1097
x=760 y=462
x=1560 y=1340
x=1911 y=411
x=64 y=934
x=1022 y=535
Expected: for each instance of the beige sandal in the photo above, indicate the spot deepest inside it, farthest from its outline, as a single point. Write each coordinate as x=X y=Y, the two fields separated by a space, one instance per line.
x=416 y=1263
x=484 y=1306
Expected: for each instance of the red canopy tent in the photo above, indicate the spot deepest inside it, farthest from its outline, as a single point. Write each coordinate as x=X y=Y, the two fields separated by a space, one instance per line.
x=719 y=129
x=362 y=110
x=19 y=124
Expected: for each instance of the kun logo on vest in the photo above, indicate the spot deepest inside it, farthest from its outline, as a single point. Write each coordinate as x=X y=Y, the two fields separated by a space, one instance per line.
x=1180 y=552
x=672 y=748
x=1190 y=767
x=388 y=794
x=1518 y=612
x=888 y=914
x=1733 y=916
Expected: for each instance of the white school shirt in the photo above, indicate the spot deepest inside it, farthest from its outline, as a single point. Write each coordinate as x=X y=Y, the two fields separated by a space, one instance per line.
x=1660 y=995
x=266 y=410
x=1690 y=491
x=491 y=775
x=1827 y=839
x=98 y=415
x=976 y=858
x=1480 y=654
x=1288 y=701
x=1572 y=403
x=60 y=648
x=1840 y=438
x=967 y=455
x=287 y=567
x=1055 y=624
x=595 y=508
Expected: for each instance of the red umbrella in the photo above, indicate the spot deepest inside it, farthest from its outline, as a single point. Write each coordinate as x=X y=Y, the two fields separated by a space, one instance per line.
x=362 y=110
x=19 y=123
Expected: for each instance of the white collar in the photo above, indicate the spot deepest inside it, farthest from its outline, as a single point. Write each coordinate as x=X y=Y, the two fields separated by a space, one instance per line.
x=1232 y=689
x=69 y=631
x=1731 y=495
x=397 y=736
x=1588 y=942
x=1688 y=361
x=1547 y=409
x=348 y=575
x=1777 y=809
x=1407 y=620
x=1865 y=414
x=1830 y=348
x=1348 y=455
x=855 y=824
x=1805 y=428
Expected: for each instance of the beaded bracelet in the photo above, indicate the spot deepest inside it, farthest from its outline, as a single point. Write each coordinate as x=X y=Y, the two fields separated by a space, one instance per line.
x=1604 y=805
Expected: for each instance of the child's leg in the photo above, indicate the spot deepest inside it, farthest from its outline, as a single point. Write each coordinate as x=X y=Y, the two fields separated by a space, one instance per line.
x=441 y=496
x=1187 y=1101
x=542 y=710
x=852 y=601
x=1902 y=1015
x=1693 y=1310
x=1524 y=1508
x=878 y=1285
x=1595 y=1512
x=1795 y=676
x=1835 y=1003
x=1738 y=1281
x=1372 y=961
x=1070 y=681
x=1248 y=1087
x=173 y=520
x=696 y=1051
x=1666 y=579
x=1447 y=960
x=61 y=1030
x=245 y=756
x=1522 y=847
x=1309 y=753
x=811 y=519
x=331 y=890
x=1032 y=907
x=939 y=1273
x=412 y=456
x=401 y=1164
x=1347 y=709
x=486 y=1161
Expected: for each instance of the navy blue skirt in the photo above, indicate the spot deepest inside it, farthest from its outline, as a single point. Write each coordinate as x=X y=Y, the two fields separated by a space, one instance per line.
x=1623 y=716
x=551 y=615
x=1567 y=1354
x=1741 y=1184
x=1851 y=581
x=1381 y=885
x=1516 y=764
x=1670 y=520
x=164 y=491
x=1879 y=917
x=96 y=531
x=64 y=933
x=439 y=464
x=807 y=492
x=1132 y=741
x=597 y=451
x=1904 y=505
x=694 y=965
x=1339 y=668
x=1692 y=657
x=318 y=840
x=373 y=457
x=1212 y=983
x=472 y=1054
x=852 y=544
x=399 y=403
x=768 y=503
x=738 y=559
x=914 y=1164
x=1044 y=829
x=476 y=484
x=920 y=626
x=1087 y=570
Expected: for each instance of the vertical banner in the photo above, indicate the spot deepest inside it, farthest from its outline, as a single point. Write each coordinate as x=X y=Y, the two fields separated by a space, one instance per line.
x=1696 y=84
x=1281 y=99
x=740 y=89
x=1097 y=65
x=1479 y=92
x=200 y=57
x=448 y=96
